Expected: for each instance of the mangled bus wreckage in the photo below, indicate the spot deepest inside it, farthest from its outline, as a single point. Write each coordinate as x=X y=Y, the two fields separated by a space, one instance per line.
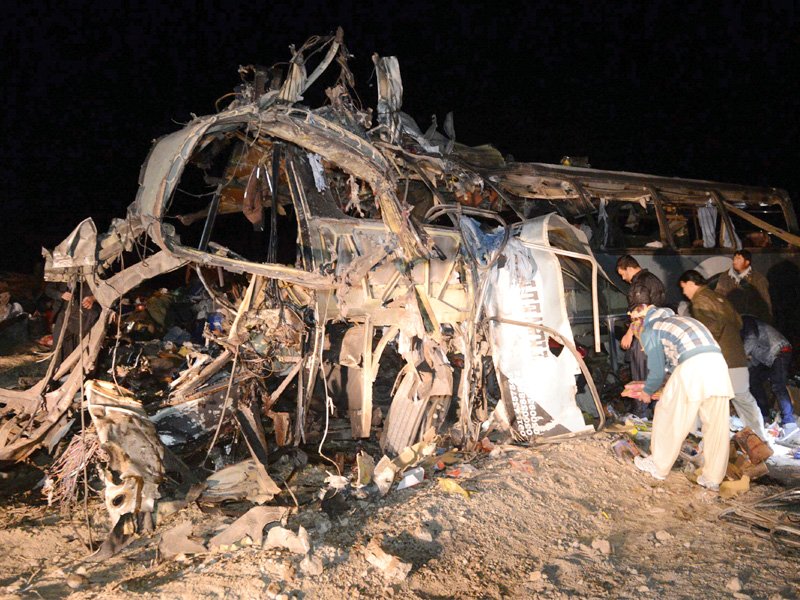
x=356 y=236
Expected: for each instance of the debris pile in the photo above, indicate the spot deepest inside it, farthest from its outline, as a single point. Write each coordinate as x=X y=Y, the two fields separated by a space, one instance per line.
x=291 y=277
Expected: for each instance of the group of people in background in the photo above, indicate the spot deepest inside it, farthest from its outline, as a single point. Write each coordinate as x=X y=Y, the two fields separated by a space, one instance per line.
x=722 y=349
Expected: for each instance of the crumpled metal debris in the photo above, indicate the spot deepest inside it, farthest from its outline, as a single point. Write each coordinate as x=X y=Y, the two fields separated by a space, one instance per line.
x=321 y=246
x=135 y=454
x=240 y=481
x=251 y=525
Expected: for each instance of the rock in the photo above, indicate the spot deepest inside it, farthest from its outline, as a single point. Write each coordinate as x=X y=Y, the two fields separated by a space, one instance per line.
x=391 y=566
x=643 y=589
x=740 y=596
x=663 y=536
x=535 y=576
x=734 y=585
x=279 y=537
x=322 y=524
x=273 y=589
x=423 y=535
x=77 y=581
x=311 y=565
x=602 y=546
x=287 y=571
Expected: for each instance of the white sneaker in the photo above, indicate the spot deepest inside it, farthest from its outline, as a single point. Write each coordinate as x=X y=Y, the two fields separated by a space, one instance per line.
x=648 y=466
x=707 y=484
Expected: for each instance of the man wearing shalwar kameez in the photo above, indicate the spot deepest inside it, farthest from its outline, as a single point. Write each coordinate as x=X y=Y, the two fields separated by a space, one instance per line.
x=699 y=386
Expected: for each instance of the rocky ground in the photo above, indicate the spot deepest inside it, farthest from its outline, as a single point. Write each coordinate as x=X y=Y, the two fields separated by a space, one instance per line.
x=547 y=522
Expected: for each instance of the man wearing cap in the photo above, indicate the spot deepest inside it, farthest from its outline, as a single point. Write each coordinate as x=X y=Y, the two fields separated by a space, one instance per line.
x=725 y=324
x=698 y=387
x=645 y=288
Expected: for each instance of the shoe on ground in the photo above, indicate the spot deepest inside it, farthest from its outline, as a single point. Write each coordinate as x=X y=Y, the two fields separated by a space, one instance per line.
x=648 y=466
x=707 y=484
x=790 y=431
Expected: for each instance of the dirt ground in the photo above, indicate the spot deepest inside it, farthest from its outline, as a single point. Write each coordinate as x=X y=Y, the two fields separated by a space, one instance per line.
x=526 y=531
x=552 y=521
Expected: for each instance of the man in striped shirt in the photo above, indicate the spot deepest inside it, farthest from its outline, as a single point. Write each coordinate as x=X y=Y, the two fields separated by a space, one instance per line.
x=699 y=386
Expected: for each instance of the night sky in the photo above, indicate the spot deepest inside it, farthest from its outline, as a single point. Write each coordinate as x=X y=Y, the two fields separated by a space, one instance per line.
x=706 y=90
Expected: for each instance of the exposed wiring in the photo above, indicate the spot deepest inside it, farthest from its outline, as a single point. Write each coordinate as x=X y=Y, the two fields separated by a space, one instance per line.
x=328 y=400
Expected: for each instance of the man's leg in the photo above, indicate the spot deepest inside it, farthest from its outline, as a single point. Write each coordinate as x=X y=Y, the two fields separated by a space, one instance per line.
x=758 y=376
x=673 y=420
x=638 y=373
x=744 y=403
x=715 y=416
x=778 y=375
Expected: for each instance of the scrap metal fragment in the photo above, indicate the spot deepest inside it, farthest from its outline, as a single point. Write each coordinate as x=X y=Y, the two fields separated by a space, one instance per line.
x=178 y=540
x=241 y=481
x=135 y=453
x=366 y=467
x=251 y=524
x=385 y=472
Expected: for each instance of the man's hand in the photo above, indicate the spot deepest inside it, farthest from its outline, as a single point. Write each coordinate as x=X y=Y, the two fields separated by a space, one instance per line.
x=66 y=296
x=88 y=302
x=645 y=397
x=627 y=339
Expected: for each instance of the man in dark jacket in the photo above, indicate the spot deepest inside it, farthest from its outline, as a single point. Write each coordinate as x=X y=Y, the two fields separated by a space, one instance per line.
x=645 y=288
x=770 y=355
x=725 y=324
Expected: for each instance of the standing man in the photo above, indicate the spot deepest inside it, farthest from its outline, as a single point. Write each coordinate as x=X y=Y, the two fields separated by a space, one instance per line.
x=770 y=355
x=747 y=290
x=645 y=288
x=725 y=324
x=699 y=386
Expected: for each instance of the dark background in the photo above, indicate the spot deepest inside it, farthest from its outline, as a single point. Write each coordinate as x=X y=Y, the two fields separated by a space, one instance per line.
x=705 y=90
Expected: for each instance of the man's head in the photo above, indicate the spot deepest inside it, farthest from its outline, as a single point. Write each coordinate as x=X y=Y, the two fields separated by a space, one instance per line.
x=639 y=311
x=627 y=267
x=741 y=260
x=690 y=282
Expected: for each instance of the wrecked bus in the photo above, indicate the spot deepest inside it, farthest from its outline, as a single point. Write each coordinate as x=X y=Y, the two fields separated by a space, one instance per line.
x=369 y=279
x=669 y=224
x=354 y=235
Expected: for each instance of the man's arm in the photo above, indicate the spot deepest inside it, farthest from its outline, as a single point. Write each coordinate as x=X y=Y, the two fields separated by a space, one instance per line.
x=656 y=365
x=724 y=284
x=762 y=285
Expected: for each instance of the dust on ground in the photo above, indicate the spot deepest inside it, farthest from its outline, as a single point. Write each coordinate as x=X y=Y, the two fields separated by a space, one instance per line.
x=535 y=525
x=28 y=363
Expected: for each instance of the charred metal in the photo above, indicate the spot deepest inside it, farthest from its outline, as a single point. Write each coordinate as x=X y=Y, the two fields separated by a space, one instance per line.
x=337 y=246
